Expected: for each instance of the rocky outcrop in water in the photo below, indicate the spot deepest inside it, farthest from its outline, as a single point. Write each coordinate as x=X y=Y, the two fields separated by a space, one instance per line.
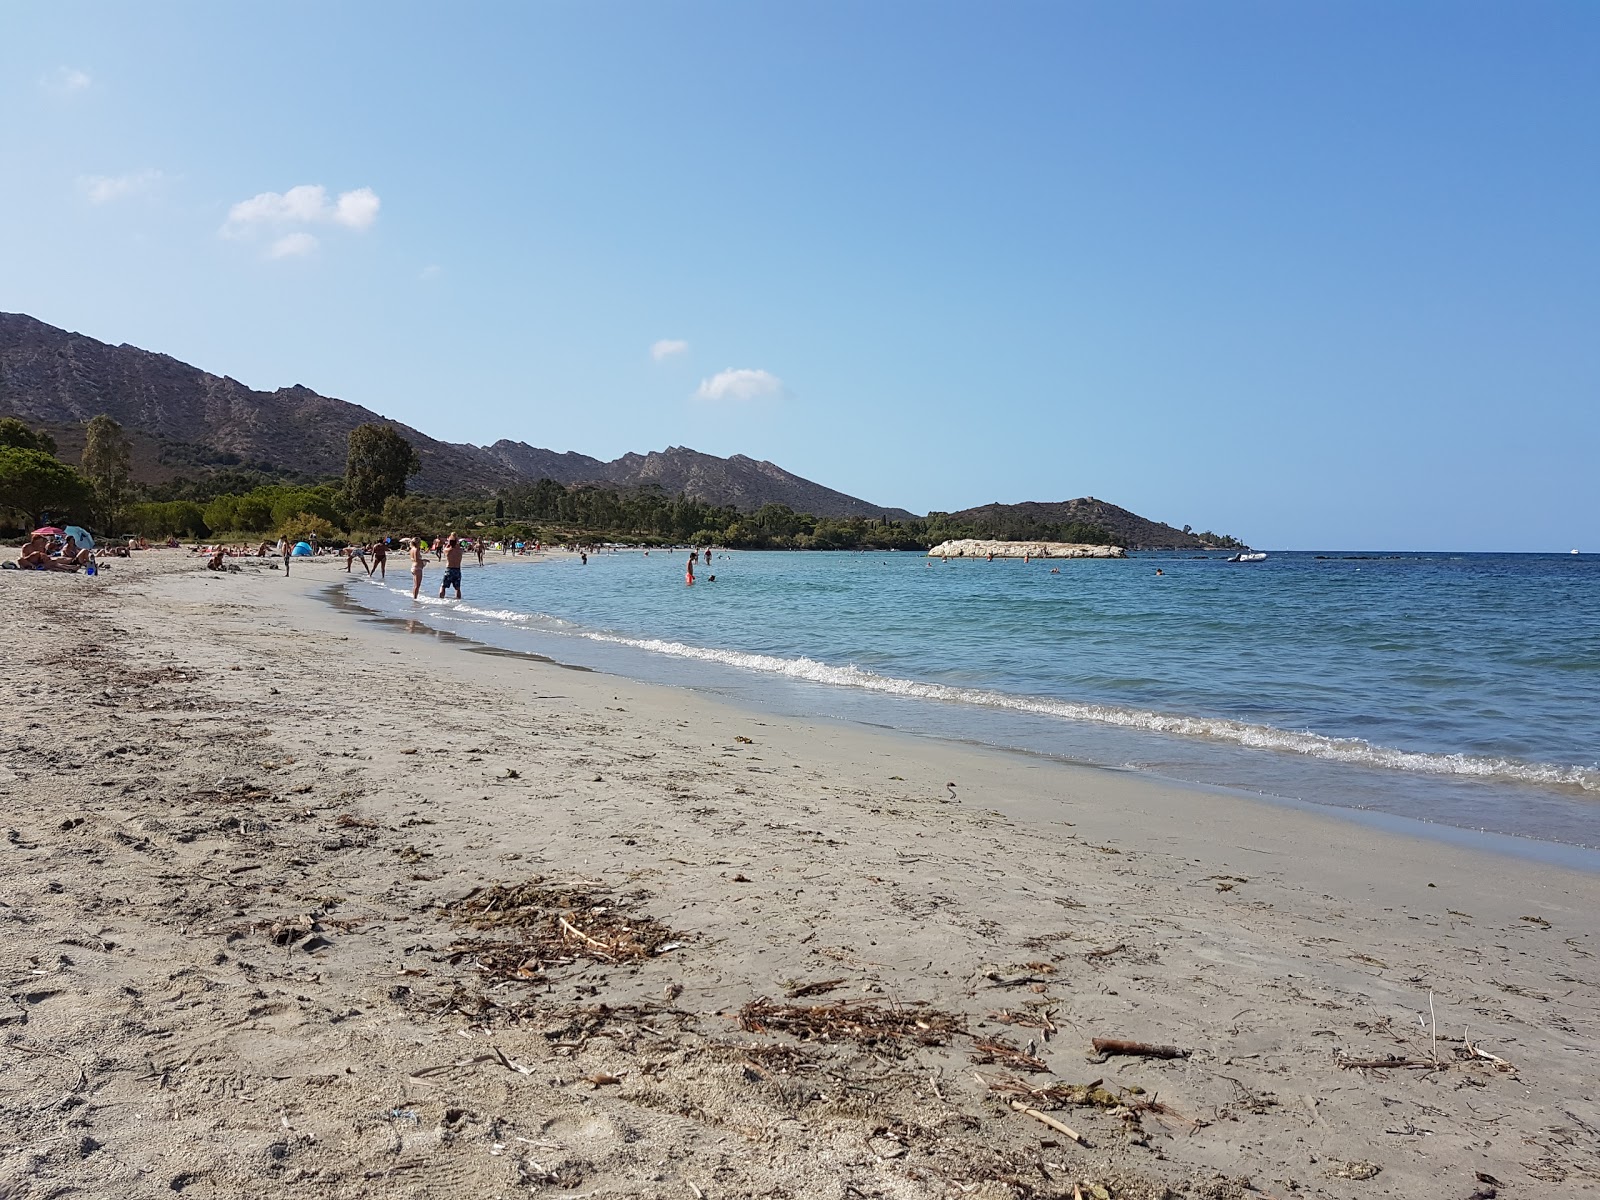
x=984 y=548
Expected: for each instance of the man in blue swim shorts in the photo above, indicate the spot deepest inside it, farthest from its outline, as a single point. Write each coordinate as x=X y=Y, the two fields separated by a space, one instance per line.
x=452 y=566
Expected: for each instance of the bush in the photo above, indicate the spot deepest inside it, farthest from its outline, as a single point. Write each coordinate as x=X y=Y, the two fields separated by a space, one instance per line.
x=167 y=518
x=302 y=527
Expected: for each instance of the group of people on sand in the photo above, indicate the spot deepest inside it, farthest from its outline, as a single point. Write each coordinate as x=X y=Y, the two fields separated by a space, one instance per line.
x=43 y=552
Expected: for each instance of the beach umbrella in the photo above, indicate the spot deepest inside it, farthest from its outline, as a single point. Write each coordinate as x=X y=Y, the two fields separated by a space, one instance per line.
x=80 y=535
x=302 y=550
x=47 y=531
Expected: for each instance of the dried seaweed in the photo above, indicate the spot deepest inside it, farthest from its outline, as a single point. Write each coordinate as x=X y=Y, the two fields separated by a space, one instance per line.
x=555 y=925
x=998 y=1050
x=861 y=1022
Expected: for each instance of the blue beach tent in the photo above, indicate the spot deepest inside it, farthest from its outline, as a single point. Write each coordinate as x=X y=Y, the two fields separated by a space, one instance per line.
x=301 y=550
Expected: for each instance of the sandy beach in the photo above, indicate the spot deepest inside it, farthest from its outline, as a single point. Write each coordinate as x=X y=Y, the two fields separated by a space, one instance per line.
x=298 y=902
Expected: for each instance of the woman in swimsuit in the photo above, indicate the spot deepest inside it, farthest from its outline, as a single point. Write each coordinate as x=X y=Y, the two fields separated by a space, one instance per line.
x=419 y=560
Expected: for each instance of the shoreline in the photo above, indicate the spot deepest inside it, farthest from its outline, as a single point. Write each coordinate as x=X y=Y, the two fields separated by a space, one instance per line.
x=1524 y=847
x=321 y=787
x=1199 y=753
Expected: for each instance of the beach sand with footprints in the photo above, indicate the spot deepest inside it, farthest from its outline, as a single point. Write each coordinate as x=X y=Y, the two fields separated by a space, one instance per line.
x=297 y=902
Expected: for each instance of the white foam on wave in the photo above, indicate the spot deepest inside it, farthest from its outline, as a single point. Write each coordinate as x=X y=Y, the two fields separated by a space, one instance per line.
x=1355 y=751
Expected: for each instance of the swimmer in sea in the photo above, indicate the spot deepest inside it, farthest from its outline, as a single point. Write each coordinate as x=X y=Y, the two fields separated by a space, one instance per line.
x=1159 y=571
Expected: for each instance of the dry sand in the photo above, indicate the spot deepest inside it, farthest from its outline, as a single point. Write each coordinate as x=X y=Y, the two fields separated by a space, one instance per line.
x=237 y=819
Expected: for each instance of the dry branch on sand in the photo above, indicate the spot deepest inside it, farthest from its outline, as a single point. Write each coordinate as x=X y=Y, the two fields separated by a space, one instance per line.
x=1106 y=1047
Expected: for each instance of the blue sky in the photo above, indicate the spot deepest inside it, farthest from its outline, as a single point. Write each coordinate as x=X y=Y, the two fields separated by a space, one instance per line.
x=1321 y=275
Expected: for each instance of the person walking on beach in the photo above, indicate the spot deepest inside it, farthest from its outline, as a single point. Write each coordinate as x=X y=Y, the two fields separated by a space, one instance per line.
x=452 y=566
x=419 y=561
x=478 y=546
x=285 y=549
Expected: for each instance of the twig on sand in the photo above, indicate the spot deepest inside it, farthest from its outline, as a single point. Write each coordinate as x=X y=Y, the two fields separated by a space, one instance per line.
x=1107 y=951
x=799 y=991
x=998 y=1050
x=1106 y=1047
x=580 y=934
x=1480 y=1052
x=1434 y=1023
x=1047 y=1119
x=1379 y=1064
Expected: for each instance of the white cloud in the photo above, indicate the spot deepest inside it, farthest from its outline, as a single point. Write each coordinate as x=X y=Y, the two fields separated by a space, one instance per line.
x=102 y=189
x=667 y=347
x=307 y=204
x=742 y=383
x=293 y=245
x=67 y=80
x=357 y=209
x=431 y=271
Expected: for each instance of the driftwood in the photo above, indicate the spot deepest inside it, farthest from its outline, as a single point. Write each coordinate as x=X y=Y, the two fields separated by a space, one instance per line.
x=1379 y=1064
x=1106 y=1047
x=1047 y=1119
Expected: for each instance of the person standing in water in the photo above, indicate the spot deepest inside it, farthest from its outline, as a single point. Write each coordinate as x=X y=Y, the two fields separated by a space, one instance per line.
x=452 y=566
x=688 y=575
x=419 y=561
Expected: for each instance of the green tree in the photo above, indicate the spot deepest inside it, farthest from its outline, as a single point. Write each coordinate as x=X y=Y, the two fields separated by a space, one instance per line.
x=302 y=526
x=377 y=465
x=18 y=435
x=107 y=462
x=163 y=518
x=34 y=484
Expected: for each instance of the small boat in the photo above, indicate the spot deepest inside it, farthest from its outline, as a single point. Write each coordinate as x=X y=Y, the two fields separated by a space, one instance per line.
x=1249 y=556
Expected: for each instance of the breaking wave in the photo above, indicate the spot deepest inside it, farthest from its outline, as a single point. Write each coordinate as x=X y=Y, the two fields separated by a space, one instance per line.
x=1354 y=751
x=1357 y=751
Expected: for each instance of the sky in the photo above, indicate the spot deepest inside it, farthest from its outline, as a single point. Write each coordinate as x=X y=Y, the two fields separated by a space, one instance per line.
x=1319 y=275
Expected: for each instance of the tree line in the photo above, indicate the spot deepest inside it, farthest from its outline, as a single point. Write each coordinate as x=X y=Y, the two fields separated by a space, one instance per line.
x=372 y=500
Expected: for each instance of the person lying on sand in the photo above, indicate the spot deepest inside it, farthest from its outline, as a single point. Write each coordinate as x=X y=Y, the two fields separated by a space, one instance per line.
x=72 y=556
x=35 y=553
x=36 y=556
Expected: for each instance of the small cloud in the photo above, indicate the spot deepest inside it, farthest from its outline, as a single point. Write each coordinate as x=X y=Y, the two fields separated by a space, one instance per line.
x=67 y=81
x=667 y=347
x=102 y=189
x=357 y=209
x=293 y=245
x=307 y=204
x=431 y=271
x=742 y=383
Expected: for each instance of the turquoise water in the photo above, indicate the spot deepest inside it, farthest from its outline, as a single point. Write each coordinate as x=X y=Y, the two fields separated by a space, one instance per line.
x=1458 y=689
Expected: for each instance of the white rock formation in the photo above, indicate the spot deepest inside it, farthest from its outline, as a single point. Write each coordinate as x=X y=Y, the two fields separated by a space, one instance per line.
x=983 y=548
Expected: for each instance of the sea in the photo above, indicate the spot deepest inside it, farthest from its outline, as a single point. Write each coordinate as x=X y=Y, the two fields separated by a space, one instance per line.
x=1453 y=694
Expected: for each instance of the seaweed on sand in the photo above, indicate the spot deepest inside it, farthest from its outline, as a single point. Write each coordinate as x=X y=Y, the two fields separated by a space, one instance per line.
x=861 y=1022
x=542 y=925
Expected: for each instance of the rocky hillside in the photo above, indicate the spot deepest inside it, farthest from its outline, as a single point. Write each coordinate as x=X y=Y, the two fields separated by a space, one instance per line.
x=1130 y=529
x=183 y=420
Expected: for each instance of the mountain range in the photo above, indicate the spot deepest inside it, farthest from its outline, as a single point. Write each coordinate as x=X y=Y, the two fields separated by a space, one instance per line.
x=183 y=420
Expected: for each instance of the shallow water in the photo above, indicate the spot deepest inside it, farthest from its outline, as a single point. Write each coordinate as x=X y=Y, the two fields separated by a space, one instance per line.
x=1462 y=689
